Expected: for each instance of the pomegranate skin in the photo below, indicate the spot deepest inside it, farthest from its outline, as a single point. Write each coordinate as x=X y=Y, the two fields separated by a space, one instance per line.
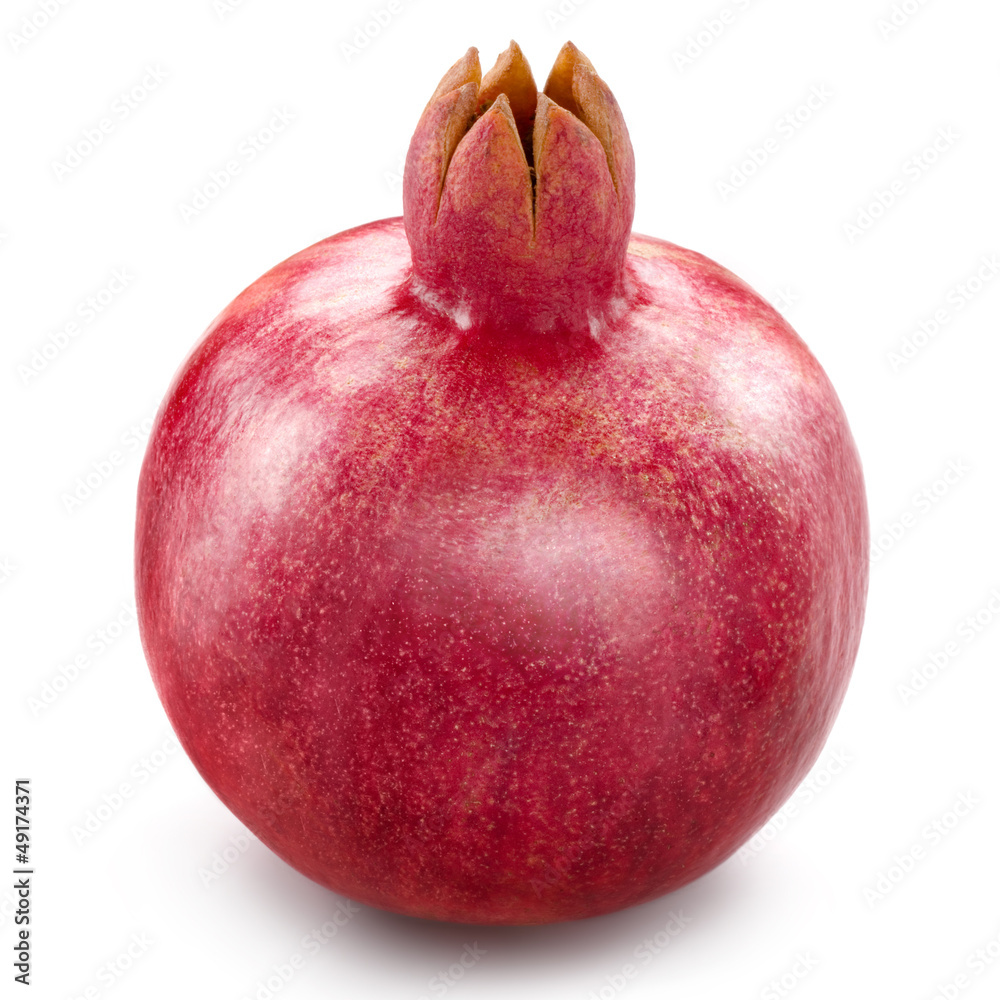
x=493 y=627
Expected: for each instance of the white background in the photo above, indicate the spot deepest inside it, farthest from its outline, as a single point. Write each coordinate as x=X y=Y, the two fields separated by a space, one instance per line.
x=139 y=877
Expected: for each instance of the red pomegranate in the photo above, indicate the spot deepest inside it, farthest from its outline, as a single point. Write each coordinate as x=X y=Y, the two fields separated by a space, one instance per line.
x=496 y=564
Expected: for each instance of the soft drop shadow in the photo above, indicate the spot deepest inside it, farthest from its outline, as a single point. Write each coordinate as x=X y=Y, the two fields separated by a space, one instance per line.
x=604 y=939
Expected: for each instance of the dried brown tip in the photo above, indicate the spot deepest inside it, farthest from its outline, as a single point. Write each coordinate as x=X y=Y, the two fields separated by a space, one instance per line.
x=466 y=70
x=559 y=85
x=574 y=85
x=511 y=75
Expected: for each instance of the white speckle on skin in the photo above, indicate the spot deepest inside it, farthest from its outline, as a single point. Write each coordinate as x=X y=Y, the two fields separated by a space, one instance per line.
x=460 y=315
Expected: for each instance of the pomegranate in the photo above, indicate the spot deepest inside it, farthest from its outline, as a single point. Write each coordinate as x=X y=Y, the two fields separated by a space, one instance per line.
x=496 y=564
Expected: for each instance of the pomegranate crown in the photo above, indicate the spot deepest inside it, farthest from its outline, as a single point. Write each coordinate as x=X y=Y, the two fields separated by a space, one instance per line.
x=517 y=203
